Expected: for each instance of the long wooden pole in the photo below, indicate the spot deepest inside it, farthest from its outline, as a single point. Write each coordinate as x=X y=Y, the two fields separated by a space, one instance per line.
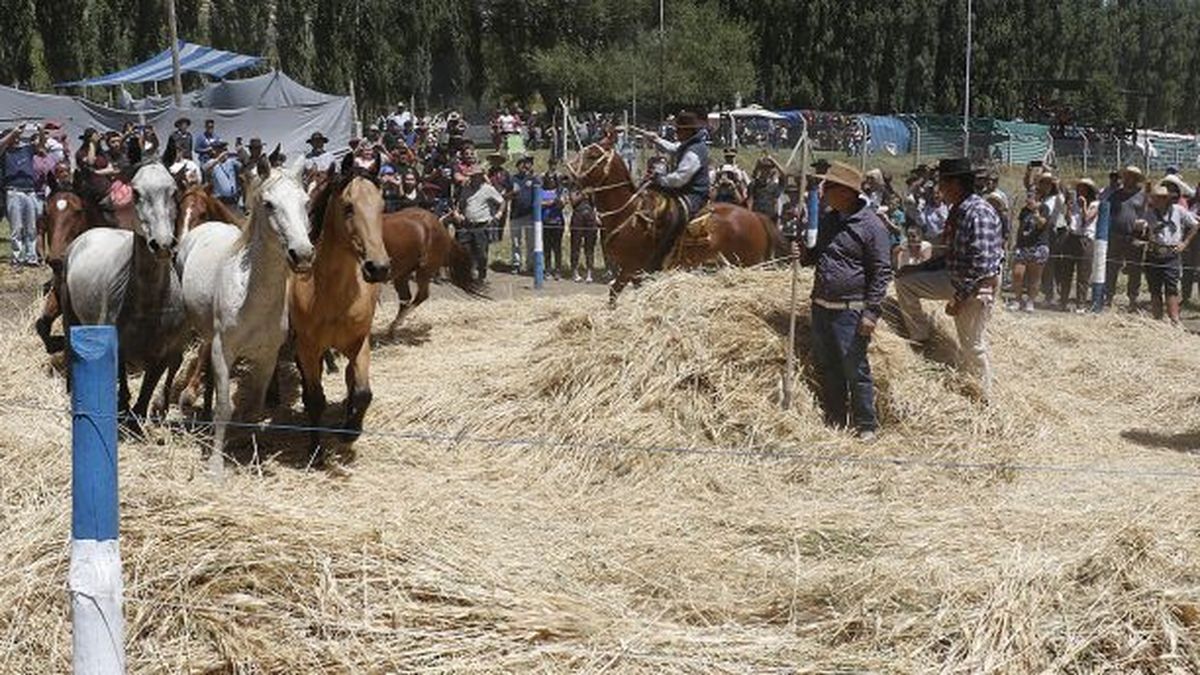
x=790 y=368
x=176 y=79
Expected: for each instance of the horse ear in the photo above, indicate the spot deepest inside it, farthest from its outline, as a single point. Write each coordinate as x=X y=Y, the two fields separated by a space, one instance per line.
x=347 y=164
x=276 y=155
x=610 y=137
x=168 y=156
x=180 y=179
x=263 y=167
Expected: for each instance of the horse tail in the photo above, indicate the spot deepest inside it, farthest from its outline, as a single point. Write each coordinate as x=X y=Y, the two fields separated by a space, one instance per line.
x=777 y=245
x=462 y=269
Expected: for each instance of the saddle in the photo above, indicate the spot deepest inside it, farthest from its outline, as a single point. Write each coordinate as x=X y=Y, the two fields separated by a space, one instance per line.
x=691 y=247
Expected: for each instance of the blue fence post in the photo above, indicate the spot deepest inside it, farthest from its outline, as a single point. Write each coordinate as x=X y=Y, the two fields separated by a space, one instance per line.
x=814 y=218
x=539 y=259
x=1100 y=257
x=98 y=626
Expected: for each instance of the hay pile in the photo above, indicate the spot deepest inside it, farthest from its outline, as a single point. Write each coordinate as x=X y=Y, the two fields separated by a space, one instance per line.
x=458 y=554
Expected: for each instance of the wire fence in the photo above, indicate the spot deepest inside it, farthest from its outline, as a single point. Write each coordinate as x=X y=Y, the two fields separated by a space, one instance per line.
x=766 y=451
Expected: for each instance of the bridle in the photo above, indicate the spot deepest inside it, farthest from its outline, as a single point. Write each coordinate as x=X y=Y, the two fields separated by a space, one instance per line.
x=606 y=158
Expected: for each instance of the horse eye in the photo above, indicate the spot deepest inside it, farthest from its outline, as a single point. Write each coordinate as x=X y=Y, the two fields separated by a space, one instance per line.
x=137 y=196
x=270 y=206
x=349 y=211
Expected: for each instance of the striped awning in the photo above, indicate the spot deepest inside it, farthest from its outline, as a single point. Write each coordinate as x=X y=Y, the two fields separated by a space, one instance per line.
x=192 y=59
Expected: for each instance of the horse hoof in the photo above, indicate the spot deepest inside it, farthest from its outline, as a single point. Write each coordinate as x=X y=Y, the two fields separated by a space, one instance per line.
x=187 y=399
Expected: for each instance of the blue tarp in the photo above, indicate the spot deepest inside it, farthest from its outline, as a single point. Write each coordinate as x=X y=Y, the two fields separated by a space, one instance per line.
x=192 y=59
x=889 y=135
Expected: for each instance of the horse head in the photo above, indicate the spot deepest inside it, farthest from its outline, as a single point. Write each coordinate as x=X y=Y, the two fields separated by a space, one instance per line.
x=194 y=206
x=66 y=219
x=154 y=196
x=358 y=213
x=282 y=202
x=598 y=167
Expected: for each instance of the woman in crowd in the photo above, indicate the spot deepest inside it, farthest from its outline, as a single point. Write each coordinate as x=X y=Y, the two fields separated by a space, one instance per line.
x=1077 y=245
x=1031 y=252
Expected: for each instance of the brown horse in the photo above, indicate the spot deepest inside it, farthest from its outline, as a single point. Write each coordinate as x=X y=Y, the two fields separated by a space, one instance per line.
x=419 y=246
x=66 y=218
x=198 y=205
x=632 y=219
x=335 y=304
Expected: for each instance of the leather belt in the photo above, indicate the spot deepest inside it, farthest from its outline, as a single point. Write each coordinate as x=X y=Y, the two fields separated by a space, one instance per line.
x=840 y=306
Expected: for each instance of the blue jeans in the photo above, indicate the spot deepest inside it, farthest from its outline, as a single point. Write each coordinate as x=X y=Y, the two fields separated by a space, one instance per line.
x=840 y=356
x=23 y=211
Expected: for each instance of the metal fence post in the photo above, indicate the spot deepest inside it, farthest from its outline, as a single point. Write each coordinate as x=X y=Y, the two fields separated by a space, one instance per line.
x=539 y=260
x=1100 y=257
x=94 y=582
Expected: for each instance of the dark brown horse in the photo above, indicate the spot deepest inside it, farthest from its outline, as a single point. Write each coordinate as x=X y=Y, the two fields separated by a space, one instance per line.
x=66 y=218
x=419 y=246
x=197 y=205
x=632 y=219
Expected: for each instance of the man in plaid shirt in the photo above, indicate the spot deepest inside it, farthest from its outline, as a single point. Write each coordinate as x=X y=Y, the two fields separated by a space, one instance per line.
x=966 y=277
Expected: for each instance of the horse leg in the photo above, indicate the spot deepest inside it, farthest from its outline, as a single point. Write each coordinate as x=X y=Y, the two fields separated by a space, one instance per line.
x=196 y=375
x=358 y=388
x=406 y=304
x=330 y=361
x=150 y=378
x=221 y=367
x=309 y=360
x=618 y=284
x=50 y=312
x=423 y=280
x=162 y=400
x=122 y=385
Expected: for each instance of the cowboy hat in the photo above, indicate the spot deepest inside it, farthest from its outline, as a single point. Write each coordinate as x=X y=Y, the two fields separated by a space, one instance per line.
x=1160 y=191
x=1184 y=189
x=844 y=175
x=875 y=175
x=688 y=120
x=1132 y=170
x=256 y=142
x=1087 y=183
x=317 y=137
x=956 y=166
x=1047 y=177
x=183 y=120
x=497 y=157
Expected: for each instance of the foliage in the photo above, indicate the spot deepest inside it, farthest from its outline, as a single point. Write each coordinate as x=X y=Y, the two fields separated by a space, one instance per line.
x=1102 y=61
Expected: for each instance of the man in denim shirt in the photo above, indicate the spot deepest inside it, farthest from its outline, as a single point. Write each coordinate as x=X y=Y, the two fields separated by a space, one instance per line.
x=852 y=257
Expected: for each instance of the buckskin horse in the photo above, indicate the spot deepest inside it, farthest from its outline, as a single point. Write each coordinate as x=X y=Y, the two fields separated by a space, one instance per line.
x=632 y=219
x=335 y=304
x=419 y=246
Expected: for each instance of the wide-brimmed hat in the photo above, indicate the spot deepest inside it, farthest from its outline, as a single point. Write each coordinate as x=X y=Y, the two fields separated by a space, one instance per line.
x=688 y=120
x=1047 y=177
x=844 y=175
x=256 y=142
x=1160 y=190
x=1174 y=179
x=497 y=157
x=956 y=166
x=1087 y=183
x=1134 y=171
x=875 y=175
x=317 y=137
x=183 y=120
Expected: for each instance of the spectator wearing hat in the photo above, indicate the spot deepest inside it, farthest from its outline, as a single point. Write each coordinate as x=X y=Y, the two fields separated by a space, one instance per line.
x=1165 y=231
x=1190 y=258
x=224 y=171
x=318 y=159
x=1128 y=205
x=966 y=276
x=479 y=204
x=1049 y=194
x=852 y=261
x=182 y=137
x=206 y=142
x=17 y=151
x=186 y=167
x=1077 y=246
x=248 y=155
x=767 y=186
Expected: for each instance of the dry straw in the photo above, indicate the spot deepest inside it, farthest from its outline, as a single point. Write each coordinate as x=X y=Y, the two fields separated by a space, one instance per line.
x=464 y=556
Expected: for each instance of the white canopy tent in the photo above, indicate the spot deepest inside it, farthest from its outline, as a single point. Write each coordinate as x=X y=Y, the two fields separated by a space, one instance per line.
x=743 y=113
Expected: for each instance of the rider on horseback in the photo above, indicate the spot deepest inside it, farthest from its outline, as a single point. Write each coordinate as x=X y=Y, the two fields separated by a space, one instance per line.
x=689 y=180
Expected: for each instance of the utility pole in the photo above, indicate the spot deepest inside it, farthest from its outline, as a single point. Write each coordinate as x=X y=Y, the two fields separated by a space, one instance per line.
x=662 y=60
x=967 y=95
x=175 y=77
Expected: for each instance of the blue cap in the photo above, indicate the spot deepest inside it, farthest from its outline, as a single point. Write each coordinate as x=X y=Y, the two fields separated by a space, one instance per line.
x=388 y=170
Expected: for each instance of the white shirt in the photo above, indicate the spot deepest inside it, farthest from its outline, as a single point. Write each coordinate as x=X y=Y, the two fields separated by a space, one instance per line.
x=480 y=204
x=190 y=169
x=1055 y=205
x=320 y=162
x=1170 y=228
x=400 y=118
x=1079 y=224
x=508 y=123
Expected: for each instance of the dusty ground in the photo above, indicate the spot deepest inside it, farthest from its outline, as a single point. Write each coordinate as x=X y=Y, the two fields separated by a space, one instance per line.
x=1055 y=532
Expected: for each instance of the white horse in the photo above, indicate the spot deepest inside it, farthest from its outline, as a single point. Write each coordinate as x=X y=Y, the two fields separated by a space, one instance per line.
x=235 y=291
x=122 y=278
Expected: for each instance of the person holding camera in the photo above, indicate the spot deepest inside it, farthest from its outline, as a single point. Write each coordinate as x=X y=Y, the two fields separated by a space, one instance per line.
x=1165 y=231
x=17 y=152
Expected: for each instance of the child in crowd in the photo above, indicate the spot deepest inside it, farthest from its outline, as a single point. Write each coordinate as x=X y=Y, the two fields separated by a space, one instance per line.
x=1031 y=252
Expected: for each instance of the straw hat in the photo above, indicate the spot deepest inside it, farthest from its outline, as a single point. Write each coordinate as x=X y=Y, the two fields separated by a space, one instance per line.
x=1184 y=189
x=1087 y=183
x=956 y=166
x=1160 y=191
x=1133 y=171
x=844 y=175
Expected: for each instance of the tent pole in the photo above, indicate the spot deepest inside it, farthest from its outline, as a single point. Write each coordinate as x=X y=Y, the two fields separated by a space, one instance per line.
x=175 y=77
